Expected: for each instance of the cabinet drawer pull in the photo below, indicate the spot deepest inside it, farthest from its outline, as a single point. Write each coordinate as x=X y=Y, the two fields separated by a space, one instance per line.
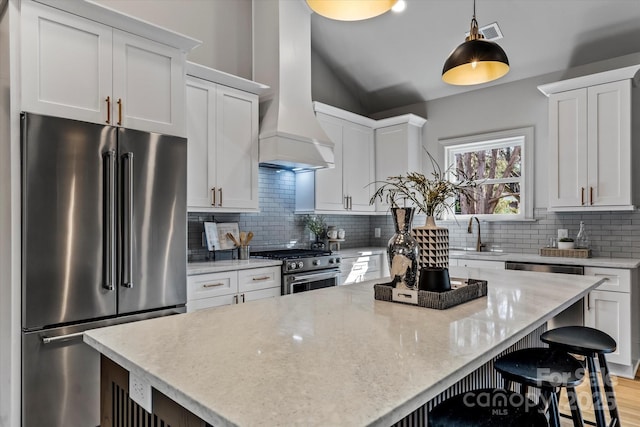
x=213 y=196
x=220 y=202
x=108 y=101
x=119 y=112
x=591 y=195
x=589 y=301
x=243 y=298
x=235 y=299
x=255 y=279
x=212 y=285
x=582 y=196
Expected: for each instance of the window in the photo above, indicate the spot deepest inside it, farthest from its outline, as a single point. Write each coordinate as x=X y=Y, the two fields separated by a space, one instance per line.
x=501 y=164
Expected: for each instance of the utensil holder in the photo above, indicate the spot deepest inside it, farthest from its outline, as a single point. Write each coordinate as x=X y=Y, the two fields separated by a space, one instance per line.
x=243 y=252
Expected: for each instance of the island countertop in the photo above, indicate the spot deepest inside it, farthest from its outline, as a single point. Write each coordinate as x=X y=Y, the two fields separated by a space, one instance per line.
x=333 y=356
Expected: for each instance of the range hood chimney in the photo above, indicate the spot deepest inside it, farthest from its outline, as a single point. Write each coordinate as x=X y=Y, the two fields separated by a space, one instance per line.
x=290 y=135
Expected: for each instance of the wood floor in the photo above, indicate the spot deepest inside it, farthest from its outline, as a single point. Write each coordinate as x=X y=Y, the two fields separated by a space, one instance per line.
x=627 y=395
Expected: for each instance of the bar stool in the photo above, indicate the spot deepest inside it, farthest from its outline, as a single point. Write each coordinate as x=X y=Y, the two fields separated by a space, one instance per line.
x=548 y=370
x=590 y=343
x=488 y=407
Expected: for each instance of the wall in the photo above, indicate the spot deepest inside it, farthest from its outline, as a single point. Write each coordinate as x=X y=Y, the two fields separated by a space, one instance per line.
x=224 y=27
x=276 y=226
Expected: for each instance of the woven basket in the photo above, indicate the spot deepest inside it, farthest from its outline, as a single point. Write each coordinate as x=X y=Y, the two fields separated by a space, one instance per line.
x=471 y=290
x=571 y=253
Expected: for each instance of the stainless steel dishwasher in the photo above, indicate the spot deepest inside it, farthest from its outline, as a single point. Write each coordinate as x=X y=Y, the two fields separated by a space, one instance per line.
x=574 y=314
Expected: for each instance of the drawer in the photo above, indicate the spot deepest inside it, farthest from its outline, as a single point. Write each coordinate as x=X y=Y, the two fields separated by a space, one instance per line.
x=212 y=285
x=618 y=279
x=259 y=278
x=260 y=294
x=202 y=303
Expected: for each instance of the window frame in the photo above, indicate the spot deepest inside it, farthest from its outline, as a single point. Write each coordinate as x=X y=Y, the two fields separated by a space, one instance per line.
x=487 y=140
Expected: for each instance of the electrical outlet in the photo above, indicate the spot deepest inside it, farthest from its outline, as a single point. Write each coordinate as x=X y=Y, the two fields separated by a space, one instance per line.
x=376 y=232
x=562 y=233
x=140 y=391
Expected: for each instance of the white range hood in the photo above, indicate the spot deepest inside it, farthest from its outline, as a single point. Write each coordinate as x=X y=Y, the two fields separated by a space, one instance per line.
x=290 y=135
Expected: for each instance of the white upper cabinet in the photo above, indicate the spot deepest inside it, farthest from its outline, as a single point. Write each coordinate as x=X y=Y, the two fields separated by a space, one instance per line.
x=590 y=147
x=78 y=68
x=398 y=147
x=345 y=188
x=222 y=133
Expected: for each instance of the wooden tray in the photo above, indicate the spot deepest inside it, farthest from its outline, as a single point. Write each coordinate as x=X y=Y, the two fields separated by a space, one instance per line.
x=468 y=290
x=571 y=253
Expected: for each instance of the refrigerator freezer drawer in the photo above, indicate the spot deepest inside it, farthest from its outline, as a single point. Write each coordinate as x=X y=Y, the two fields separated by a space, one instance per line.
x=61 y=374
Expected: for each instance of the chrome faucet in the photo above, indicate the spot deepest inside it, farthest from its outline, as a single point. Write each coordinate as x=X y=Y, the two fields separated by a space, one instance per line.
x=479 y=244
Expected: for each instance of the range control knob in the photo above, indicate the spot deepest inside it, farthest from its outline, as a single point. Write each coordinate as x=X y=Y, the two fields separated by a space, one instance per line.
x=292 y=266
x=316 y=262
x=332 y=261
x=337 y=260
x=300 y=264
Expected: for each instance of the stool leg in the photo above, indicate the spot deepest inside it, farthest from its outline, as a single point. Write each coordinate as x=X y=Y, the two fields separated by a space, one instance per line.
x=608 y=390
x=595 y=392
x=548 y=397
x=576 y=416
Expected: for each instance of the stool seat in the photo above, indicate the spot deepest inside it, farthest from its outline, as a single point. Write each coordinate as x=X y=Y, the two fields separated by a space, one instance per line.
x=579 y=340
x=541 y=367
x=488 y=407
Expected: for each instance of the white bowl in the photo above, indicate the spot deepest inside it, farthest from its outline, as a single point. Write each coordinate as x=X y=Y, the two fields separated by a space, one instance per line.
x=566 y=245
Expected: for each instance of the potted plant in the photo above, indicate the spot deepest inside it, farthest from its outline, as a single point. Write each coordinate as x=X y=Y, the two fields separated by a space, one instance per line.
x=316 y=224
x=566 y=243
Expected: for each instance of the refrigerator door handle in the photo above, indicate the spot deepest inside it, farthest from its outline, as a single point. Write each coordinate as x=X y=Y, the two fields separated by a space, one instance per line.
x=49 y=340
x=127 y=274
x=110 y=223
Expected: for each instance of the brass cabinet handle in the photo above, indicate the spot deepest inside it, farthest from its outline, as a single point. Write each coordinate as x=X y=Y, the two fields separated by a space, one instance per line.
x=346 y=202
x=582 y=196
x=591 y=195
x=213 y=196
x=220 y=201
x=212 y=285
x=119 y=112
x=108 y=101
x=261 y=278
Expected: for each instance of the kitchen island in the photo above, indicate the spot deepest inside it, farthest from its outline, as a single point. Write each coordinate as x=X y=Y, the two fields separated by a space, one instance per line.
x=334 y=356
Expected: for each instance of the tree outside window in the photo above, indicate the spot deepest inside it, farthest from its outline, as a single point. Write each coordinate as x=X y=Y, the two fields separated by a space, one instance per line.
x=499 y=167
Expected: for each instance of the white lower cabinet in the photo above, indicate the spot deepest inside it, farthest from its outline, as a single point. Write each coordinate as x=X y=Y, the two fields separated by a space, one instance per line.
x=609 y=309
x=355 y=269
x=479 y=263
x=232 y=287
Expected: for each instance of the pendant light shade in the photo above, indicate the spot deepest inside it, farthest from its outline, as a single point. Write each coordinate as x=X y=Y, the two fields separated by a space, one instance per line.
x=350 y=10
x=476 y=60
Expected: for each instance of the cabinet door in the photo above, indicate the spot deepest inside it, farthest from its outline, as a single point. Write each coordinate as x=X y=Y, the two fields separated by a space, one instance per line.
x=259 y=294
x=358 y=166
x=66 y=64
x=259 y=278
x=201 y=116
x=610 y=312
x=397 y=151
x=329 y=191
x=149 y=82
x=568 y=149
x=236 y=149
x=609 y=140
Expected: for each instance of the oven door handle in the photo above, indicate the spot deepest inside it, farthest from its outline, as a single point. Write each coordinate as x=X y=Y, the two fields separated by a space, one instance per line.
x=317 y=276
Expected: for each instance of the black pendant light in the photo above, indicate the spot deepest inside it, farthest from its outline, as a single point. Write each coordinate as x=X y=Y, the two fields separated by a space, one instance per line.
x=476 y=60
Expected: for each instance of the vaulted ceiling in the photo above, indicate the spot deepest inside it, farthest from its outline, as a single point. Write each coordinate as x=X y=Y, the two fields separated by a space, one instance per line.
x=396 y=59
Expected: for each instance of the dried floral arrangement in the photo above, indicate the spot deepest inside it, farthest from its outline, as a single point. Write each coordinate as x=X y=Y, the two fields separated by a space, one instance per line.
x=432 y=196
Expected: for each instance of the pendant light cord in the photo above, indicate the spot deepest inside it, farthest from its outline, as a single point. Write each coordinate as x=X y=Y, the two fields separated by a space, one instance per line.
x=473 y=32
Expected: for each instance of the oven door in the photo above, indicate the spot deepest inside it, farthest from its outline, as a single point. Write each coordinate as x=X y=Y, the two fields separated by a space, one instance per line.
x=302 y=282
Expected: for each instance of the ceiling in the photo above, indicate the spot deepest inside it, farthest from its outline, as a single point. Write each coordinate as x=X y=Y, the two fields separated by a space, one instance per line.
x=396 y=59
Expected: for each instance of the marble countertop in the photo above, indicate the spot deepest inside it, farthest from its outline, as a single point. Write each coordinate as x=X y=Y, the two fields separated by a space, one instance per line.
x=204 y=267
x=534 y=258
x=354 y=252
x=332 y=356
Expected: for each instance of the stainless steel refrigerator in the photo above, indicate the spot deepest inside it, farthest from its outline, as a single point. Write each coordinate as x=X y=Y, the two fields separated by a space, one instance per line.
x=103 y=242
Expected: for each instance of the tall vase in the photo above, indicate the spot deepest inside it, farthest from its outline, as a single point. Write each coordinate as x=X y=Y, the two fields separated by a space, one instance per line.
x=434 y=244
x=403 y=250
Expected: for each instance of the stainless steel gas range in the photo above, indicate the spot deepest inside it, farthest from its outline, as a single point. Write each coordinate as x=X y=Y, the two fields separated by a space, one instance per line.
x=305 y=269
